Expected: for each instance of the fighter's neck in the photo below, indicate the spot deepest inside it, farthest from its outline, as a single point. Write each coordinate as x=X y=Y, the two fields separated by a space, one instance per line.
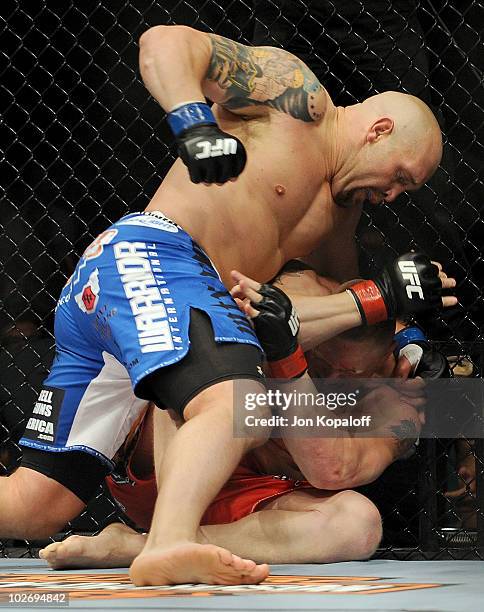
x=334 y=140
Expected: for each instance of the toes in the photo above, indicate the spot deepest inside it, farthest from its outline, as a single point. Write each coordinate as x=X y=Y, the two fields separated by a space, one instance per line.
x=226 y=557
x=50 y=551
x=246 y=565
x=260 y=573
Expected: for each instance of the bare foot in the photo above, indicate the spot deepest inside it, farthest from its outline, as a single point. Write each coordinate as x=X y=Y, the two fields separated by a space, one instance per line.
x=195 y=563
x=116 y=546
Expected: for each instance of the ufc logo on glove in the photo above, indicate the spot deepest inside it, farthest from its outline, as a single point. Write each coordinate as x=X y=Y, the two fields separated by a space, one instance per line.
x=222 y=146
x=409 y=272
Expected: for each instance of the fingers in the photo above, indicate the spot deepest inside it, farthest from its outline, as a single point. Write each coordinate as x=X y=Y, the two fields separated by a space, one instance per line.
x=447 y=283
x=246 y=307
x=403 y=368
x=247 y=282
x=245 y=287
x=242 y=292
x=250 y=311
x=457 y=493
x=449 y=300
x=469 y=486
x=411 y=386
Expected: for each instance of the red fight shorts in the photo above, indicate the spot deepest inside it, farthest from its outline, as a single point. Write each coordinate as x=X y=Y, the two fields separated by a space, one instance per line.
x=245 y=492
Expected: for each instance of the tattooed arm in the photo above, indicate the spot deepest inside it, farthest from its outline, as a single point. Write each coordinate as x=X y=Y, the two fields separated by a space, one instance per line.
x=179 y=64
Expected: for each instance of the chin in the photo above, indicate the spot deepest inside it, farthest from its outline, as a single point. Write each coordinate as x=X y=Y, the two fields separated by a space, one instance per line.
x=345 y=200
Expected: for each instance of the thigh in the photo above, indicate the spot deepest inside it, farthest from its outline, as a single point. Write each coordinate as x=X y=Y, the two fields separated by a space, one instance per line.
x=303 y=500
x=36 y=505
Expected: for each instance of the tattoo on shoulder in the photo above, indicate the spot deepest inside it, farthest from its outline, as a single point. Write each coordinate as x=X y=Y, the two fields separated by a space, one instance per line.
x=266 y=76
x=406 y=435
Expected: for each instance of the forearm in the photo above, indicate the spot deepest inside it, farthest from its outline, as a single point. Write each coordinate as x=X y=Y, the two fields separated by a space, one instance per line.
x=173 y=63
x=323 y=317
x=344 y=457
x=323 y=460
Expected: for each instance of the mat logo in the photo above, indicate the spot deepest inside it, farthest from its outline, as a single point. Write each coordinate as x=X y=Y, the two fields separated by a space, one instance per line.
x=409 y=272
x=88 y=298
x=222 y=146
x=118 y=586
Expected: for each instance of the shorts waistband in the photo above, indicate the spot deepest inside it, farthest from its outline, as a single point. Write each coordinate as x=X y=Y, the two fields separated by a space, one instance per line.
x=159 y=215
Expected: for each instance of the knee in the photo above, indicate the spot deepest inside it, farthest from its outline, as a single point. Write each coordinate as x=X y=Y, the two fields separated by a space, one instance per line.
x=364 y=524
x=354 y=522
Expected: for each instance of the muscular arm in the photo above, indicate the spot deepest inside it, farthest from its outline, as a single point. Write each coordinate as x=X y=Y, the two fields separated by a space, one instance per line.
x=347 y=461
x=179 y=64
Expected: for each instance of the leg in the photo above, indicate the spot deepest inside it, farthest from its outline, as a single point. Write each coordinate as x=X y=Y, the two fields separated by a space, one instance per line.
x=304 y=528
x=193 y=470
x=296 y=528
x=116 y=546
x=33 y=505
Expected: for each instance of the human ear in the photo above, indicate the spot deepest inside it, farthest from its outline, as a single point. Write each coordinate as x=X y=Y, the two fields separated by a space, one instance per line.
x=380 y=127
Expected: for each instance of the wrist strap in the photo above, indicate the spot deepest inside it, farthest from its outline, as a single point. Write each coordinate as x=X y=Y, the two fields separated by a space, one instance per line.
x=408 y=335
x=293 y=366
x=370 y=302
x=188 y=115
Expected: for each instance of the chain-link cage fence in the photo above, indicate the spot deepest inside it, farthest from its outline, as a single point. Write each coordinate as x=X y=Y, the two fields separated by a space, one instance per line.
x=83 y=143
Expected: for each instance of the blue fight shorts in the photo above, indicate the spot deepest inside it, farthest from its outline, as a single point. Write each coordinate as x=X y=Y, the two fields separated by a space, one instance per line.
x=124 y=314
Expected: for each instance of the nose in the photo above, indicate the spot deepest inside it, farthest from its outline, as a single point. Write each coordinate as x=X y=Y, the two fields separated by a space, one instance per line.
x=392 y=194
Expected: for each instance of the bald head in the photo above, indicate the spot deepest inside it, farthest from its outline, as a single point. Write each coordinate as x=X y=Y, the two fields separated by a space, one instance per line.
x=393 y=144
x=415 y=127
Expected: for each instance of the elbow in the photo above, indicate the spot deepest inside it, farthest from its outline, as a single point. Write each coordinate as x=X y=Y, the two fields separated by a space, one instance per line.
x=155 y=42
x=160 y=34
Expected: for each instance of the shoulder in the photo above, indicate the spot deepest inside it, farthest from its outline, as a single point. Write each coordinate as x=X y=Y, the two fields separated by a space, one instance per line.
x=253 y=80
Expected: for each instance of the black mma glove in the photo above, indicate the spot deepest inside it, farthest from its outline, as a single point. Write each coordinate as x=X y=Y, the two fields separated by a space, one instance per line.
x=427 y=361
x=211 y=156
x=277 y=326
x=410 y=285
